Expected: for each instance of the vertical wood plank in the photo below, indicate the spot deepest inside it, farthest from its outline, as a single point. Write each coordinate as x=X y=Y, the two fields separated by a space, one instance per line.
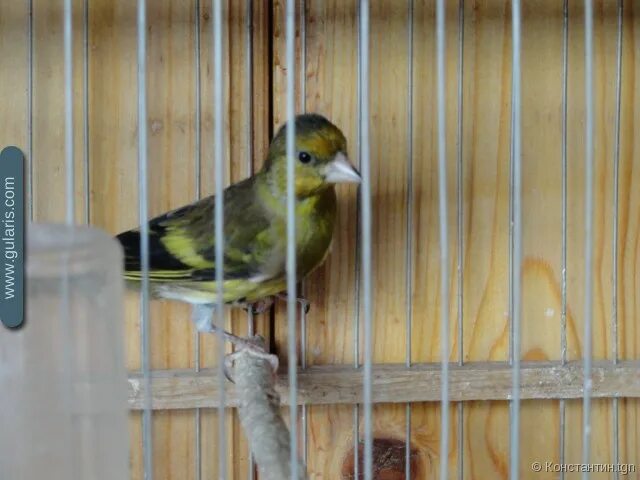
x=486 y=143
x=542 y=219
x=388 y=143
x=14 y=76
x=237 y=144
x=113 y=152
x=171 y=160
x=171 y=90
x=426 y=305
x=48 y=182
x=629 y=227
x=279 y=72
x=331 y=90
x=604 y=102
x=235 y=151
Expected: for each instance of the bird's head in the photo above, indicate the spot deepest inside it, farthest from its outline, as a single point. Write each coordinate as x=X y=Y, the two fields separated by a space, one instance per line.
x=320 y=156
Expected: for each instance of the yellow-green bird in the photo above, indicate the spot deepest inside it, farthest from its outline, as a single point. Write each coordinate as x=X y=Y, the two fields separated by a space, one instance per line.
x=181 y=242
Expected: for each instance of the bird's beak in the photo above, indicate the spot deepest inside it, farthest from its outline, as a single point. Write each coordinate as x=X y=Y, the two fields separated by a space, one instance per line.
x=339 y=170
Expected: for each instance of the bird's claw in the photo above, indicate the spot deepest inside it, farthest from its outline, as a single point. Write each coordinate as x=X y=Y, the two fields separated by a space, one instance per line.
x=304 y=303
x=202 y=316
x=260 y=306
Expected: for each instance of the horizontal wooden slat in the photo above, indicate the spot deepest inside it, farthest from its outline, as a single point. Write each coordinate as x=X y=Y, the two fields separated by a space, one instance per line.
x=177 y=389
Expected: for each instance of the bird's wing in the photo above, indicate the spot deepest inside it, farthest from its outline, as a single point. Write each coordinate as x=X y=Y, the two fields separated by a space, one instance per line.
x=181 y=242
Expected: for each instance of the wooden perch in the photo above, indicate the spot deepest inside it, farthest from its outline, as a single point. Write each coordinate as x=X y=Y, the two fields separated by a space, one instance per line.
x=337 y=384
x=259 y=410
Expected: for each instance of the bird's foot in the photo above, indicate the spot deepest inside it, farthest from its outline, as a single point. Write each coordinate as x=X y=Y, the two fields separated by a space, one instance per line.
x=304 y=303
x=260 y=306
x=202 y=317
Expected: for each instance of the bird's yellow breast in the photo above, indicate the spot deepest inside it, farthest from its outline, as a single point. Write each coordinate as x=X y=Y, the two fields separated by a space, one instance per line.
x=315 y=220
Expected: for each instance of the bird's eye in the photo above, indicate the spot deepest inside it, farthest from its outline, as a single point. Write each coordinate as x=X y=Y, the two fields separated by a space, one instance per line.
x=304 y=157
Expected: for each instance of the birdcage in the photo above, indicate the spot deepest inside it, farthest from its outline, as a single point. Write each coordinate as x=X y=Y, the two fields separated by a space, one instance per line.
x=496 y=225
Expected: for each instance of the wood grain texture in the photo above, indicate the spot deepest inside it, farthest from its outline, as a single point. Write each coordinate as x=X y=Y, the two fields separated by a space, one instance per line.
x=331 y=90
x=542 y=38
x=425 y=306
x=394 y=383
x=389 y=147
x=113 y=151
x=171 y=163
x=48 y=155
x=604 y=79
x=14 y=79
x=173 y=179
x=486 y=152
x=330 y=79
x=629 y=227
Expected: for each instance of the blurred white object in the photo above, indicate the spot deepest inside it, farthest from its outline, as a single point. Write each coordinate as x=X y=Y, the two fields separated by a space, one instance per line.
x=63 y=401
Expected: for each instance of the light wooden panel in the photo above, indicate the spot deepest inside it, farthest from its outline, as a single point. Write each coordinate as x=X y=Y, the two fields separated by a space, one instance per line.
x=425 y=303
x=47 y=184
x=542 y=39
x=172 y=168
x=629 y=227
x=389 y=182
x=331 y=38
x=171 y=67
x=486 y=97
x=14 y=78
x=279 y=71
x=331 y=89
x=113 y=150
x=604 y=104
x=48 y=156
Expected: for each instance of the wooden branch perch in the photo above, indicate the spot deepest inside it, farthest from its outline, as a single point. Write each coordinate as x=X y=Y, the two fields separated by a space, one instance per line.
x=259 y=411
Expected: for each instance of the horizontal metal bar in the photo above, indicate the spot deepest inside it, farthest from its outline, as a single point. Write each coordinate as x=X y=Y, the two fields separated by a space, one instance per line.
x=342 y=384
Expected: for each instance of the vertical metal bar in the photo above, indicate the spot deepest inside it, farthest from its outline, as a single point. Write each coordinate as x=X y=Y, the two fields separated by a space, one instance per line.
x=614 y=280
x=358 y=253
x=444 y=237
x=356 y=441
x=249 y=90
x=460 y=212
x=249 y=159
x=517 y=245
x=85 y=109
x=291 y=236
x=69 y=194
x=68 y=113
x=616 y=168
x=303 y=365
x=409 y=234
x=365 y=192
x=563 y=314
x=303 y=54
x=218 y=139
x=30 y=111
x=144 y=238
x=198 y=147
x=588 y=234
x=303 y=314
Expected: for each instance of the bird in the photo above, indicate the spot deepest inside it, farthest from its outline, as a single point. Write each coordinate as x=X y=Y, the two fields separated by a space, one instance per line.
x=181 y=256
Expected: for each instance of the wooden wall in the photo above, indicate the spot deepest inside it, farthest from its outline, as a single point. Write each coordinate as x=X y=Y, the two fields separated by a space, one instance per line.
x=405 y=247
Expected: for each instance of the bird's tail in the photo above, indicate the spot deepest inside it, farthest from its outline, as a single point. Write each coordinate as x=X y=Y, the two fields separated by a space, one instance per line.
x=130 y=241
x=162 y=266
